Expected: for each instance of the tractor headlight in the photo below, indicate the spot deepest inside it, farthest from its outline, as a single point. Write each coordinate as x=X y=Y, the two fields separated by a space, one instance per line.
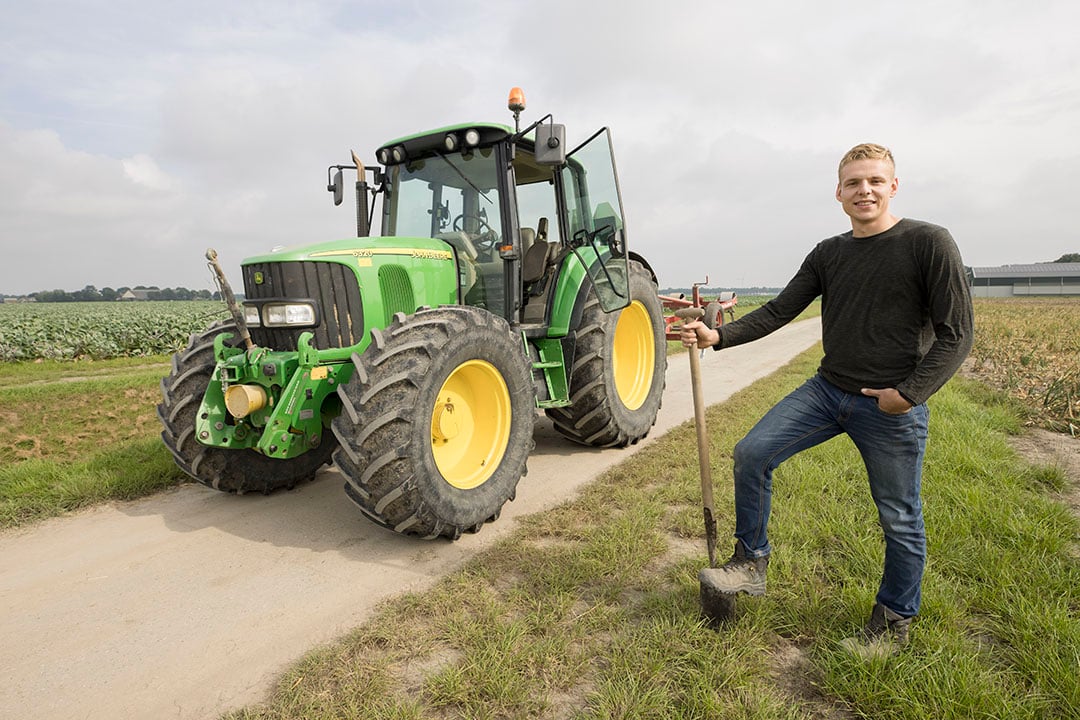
x=288 y=315
x=251 y=316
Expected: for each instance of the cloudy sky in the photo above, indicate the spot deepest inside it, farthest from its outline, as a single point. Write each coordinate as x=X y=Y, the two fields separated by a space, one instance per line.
x=134 y=134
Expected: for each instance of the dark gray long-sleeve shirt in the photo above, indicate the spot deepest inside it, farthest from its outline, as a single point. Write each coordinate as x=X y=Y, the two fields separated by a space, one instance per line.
x=895 y=309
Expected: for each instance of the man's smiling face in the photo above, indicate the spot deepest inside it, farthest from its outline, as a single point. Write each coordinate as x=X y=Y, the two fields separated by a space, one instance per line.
x=864 y=190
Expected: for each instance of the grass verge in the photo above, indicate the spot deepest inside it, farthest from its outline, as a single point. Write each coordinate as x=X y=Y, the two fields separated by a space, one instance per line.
x=38 y=372
x=79 y=434
x=591 y=610
x=38 y=489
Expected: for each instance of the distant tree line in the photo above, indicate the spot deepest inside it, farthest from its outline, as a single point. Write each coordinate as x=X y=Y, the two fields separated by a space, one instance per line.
x=92 y=294
x=107 y=294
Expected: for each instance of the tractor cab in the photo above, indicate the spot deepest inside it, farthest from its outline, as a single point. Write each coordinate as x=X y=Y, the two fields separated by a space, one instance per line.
x=511 y=205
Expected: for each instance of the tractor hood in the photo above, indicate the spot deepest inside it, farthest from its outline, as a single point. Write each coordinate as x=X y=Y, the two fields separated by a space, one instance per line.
x=343 y=288
x=354 y=251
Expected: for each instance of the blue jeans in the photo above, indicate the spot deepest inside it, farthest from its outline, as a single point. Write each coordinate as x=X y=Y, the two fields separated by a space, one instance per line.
x=892 y=448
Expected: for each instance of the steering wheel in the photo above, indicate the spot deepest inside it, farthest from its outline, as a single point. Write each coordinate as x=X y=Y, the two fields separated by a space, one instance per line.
x=459 y=222
x=486 y=239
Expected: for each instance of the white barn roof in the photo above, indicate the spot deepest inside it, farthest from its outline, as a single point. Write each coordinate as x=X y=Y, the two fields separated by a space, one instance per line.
x=1028 y=271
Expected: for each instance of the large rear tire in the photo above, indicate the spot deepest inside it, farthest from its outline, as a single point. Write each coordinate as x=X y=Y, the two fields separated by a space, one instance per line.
x=233 y=471
x=437 y=422
x=617 y=380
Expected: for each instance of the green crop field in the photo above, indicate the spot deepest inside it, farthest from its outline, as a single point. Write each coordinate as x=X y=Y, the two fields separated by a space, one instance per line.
x=100 y=330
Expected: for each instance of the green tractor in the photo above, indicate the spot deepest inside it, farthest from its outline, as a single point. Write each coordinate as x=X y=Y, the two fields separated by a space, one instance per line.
x=416 y=361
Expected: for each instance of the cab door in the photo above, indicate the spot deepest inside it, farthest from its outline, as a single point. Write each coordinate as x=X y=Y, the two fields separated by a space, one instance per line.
x=597 y=227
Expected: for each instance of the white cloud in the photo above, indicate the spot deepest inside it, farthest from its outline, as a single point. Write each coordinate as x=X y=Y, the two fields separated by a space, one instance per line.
x=142 y=170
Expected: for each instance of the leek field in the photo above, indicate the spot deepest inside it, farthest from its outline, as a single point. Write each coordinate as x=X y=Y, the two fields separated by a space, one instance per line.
x=100 y=330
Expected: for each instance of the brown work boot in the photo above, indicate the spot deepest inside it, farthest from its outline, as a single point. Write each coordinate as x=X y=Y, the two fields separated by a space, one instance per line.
x=739 y=574
x=882 y=636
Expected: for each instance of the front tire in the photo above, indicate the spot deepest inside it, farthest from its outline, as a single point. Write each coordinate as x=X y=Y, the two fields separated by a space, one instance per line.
x=617 y=380
x=232 y=471
x=437 y=422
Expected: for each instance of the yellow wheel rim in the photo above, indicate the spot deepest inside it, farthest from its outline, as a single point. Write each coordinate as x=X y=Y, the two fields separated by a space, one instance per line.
x=633 y=355
x=470 y=424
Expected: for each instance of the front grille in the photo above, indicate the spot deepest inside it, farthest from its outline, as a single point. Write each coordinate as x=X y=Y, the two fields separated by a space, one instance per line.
x=332 y=286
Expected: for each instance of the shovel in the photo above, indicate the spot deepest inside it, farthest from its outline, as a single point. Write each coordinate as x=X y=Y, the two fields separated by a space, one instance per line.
x=716 y=606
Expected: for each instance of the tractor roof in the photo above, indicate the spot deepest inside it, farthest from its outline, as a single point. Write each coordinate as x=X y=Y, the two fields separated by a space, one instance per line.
x=460 y=127
x=424 y=143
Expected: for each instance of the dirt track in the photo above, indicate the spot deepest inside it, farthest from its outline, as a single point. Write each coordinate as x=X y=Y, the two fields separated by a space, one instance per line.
x=190 y=603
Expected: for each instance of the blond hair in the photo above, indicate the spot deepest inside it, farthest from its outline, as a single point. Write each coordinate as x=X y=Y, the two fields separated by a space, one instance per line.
x=867 y=151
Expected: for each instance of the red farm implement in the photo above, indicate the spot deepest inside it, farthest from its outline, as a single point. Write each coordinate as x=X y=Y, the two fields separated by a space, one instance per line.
x=714 y=309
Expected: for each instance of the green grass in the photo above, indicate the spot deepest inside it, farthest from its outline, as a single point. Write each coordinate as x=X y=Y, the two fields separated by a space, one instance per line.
x=79 y=434
x=37 y=489
x=24 y=374
x=591 y=610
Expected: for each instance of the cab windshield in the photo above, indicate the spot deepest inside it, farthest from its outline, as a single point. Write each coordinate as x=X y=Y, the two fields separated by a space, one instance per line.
x=444 y=194
x=454 y=197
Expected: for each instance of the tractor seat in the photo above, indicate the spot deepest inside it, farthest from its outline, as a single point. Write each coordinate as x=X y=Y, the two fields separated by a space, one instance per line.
x=535 y=262
x=537 y=277
x=528 y=237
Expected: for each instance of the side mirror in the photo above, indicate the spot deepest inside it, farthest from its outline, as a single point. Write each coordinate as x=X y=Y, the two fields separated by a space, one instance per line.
x=550 y=144
x=336 y=187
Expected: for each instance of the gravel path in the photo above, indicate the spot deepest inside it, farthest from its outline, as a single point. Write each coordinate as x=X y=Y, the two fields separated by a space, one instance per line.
x=191 y=602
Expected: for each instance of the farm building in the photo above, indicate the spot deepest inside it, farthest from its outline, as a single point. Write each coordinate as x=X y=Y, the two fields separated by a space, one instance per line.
x=1038 y=279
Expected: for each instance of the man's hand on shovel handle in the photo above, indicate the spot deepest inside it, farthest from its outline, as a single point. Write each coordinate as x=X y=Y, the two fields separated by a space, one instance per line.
x=696 y=333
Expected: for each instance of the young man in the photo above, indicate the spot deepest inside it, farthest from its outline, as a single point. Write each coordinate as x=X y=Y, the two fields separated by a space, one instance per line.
x=896 y=324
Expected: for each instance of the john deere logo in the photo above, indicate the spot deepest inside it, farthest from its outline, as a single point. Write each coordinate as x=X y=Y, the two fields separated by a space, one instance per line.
x=258 y=278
